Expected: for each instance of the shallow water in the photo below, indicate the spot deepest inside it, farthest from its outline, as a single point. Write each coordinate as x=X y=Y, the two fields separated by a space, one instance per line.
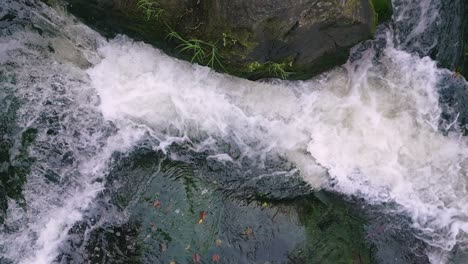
x=380 y=128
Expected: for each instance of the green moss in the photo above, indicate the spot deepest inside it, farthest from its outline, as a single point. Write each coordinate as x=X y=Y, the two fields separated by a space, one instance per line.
x=334 y=234
x=227 y=49
x=28 y=137
x=382 y=10
x=237 y=46
x=16 y=168
x=51 y=3
x=15 y=162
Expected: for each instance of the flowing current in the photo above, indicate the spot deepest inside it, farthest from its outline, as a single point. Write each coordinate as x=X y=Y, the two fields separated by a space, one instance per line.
x=372 y=128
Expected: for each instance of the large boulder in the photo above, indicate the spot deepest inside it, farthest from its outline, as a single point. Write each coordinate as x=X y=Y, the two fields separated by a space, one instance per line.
x=254 y=39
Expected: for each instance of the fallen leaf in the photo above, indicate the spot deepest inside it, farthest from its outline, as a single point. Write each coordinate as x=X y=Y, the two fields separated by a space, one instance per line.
x=218 y=242
x=157 y=204
x=264 y=204
x=249 y=232
x=202 y=217
x=172 y=262
x=216 y=258
x=456 y=72
x=196 y=258
x=187 y=247
x=153 y=225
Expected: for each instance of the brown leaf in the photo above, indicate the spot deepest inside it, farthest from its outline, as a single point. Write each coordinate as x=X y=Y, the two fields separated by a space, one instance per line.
x=202 y=217
x=456 y=72
x=249 y=232
x=157 y=204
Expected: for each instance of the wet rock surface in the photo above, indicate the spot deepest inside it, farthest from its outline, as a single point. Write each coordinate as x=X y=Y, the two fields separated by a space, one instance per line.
x=252 y=37
x=15 y=162
x=445 y=39
x=157 y=210
x=152 y=205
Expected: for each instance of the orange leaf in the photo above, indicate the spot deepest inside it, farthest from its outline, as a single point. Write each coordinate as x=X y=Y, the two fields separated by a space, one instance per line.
x=202 y=217
x=216 y=258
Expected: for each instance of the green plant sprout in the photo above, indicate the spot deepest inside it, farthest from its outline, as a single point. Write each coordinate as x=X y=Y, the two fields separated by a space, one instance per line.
x=226 y=38
x=195 y=47
x=150 y=9
x=203 y=52
x=214 y=57
x=271 y=68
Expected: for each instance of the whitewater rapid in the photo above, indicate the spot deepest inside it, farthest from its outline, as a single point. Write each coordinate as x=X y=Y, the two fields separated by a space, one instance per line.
x=371 y=128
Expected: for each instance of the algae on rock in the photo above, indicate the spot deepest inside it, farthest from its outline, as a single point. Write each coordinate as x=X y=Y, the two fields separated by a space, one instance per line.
x=313 y=35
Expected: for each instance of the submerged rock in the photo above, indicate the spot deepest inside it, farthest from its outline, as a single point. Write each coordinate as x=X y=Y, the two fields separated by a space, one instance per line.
x=254 y=39
x=157 y=210
x=15 y=161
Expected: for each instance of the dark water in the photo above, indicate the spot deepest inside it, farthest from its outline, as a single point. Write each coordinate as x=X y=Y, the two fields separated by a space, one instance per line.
x=90 y=176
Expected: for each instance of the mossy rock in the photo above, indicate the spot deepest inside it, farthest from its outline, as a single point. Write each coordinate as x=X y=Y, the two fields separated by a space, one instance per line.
x=308 y=37
x=15 y=162
x=382 y=9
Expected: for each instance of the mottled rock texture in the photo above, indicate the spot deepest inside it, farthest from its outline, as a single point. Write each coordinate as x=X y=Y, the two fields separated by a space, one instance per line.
x=299 y=37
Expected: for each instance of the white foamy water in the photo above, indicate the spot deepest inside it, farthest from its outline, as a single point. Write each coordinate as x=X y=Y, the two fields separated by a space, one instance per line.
x=369 y=128
x=416 y=18
x=74 y=144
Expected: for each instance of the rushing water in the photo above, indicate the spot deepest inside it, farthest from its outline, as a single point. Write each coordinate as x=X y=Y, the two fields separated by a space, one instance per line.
x=372 y=128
